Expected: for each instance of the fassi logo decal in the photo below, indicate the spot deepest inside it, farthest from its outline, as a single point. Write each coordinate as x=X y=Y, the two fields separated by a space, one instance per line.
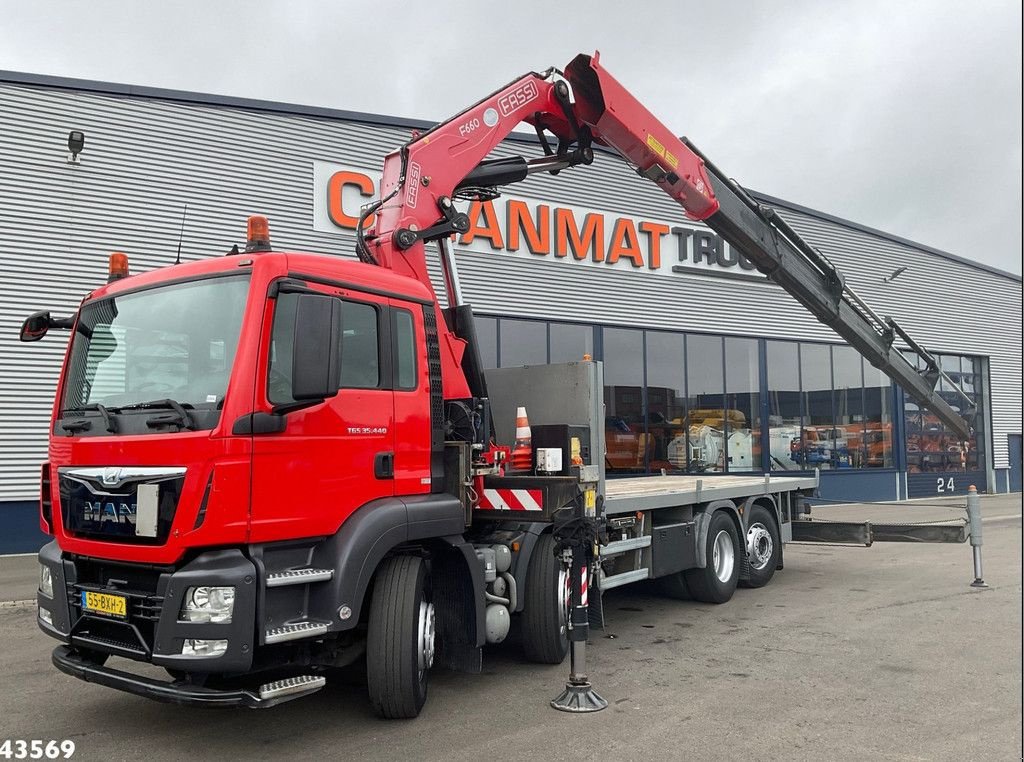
x=528 y=228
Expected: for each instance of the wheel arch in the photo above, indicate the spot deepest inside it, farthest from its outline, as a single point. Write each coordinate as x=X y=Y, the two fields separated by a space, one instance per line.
x=702 y=517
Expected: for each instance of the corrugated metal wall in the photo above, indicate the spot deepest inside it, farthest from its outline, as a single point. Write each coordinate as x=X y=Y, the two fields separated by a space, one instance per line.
x=146 y=157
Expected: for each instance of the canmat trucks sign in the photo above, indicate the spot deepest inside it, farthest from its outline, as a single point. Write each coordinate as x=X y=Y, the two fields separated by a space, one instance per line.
x=531 y=229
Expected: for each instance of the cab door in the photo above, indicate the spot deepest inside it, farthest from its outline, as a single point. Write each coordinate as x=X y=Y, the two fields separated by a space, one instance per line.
x=332 y=456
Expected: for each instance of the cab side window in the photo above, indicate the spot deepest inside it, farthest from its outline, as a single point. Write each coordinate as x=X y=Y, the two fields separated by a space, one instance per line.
x=405 y=349
x=360 y=348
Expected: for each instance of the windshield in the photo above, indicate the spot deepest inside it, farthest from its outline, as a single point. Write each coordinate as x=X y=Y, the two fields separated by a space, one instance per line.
x=173 y=342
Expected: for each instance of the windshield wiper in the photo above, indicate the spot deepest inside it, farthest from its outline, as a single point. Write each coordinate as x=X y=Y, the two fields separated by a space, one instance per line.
x=82 y=424
x=180 y=415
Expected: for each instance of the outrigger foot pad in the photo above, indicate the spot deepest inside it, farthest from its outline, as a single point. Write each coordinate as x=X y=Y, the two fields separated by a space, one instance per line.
x=578 y=697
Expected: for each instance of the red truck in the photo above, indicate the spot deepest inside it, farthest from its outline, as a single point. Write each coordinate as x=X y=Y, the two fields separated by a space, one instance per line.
x=269 y=464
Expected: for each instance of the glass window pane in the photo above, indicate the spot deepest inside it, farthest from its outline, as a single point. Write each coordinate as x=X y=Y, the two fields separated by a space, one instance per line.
x=877 y=418
x=784 y=405
x=743 y=404
x=570 y=342
x=487 y=340
x=523 y=342
x=666 y=403
x=405 y=350
x=360 y=347
x=818 y=438
x=848 y=407
x=705 y=403
x=626 y=443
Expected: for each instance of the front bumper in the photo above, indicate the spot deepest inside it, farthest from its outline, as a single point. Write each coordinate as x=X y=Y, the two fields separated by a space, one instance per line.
x=151 y=631
x=67 y=660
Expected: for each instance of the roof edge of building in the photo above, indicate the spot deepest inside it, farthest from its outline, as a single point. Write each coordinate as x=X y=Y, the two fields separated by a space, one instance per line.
x=185 y=96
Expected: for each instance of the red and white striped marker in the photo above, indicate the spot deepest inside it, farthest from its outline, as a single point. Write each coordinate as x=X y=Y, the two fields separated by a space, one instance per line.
x=511 y=500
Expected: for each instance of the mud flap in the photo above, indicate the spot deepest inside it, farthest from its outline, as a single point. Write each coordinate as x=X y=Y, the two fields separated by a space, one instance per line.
x=456 y=604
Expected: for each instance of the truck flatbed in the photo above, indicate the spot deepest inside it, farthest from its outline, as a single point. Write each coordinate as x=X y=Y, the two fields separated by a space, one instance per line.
x=644 y=493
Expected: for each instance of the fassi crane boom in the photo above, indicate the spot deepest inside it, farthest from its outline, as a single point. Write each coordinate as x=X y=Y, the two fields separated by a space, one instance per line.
x=424 y=177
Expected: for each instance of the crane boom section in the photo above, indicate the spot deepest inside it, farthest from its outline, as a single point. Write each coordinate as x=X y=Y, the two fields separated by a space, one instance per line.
x=421 y=179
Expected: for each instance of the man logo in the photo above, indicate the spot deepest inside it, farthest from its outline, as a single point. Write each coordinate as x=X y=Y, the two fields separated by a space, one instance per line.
x=112 y=476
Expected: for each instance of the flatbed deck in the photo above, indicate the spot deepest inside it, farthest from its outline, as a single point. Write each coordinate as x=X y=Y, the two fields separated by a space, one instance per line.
x=642 y=493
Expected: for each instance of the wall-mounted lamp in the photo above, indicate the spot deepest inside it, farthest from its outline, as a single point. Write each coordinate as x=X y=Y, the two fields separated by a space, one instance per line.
x=76 y=142
x=895 y=274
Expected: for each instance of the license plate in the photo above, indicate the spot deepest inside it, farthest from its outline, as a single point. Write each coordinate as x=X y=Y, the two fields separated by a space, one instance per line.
x=105 y=604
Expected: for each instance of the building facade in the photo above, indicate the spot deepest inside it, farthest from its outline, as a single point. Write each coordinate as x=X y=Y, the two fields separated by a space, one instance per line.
x=709 y=367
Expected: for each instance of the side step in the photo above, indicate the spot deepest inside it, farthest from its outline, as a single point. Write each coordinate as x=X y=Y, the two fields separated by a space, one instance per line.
x=295 y=631
x=290 y=686
x=617 y=580
x=298 y=577
x=623 y=546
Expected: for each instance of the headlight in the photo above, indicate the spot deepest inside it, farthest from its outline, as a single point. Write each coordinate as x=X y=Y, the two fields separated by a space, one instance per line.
x=204 y=649
x=46 y=616
x=208 y=604
x=45 y=581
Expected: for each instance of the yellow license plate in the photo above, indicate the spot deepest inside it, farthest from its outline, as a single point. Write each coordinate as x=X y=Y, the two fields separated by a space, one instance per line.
x=106 y=604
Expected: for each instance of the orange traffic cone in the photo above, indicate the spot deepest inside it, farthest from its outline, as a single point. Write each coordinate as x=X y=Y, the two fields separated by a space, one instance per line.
x=522 y=452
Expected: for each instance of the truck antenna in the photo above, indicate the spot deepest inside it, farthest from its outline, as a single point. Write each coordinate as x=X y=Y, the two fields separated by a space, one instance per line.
x=181 y=234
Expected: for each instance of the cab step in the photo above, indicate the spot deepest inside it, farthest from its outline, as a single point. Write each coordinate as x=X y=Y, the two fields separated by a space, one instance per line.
x=298 y=577
x=292 y=685
x=295 y=631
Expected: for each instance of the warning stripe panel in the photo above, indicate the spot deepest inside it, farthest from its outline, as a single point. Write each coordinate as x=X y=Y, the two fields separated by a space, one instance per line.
x=511 y=500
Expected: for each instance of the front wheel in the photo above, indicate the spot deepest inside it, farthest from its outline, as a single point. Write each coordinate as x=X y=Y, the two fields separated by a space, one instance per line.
x=400 y=638
x=716 y=582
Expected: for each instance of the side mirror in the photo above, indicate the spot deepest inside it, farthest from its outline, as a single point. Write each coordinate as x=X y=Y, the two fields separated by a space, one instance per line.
x=35 y=326
x=316 y=348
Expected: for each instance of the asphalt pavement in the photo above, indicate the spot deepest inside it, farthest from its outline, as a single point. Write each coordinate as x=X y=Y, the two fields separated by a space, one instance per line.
x=850 y=653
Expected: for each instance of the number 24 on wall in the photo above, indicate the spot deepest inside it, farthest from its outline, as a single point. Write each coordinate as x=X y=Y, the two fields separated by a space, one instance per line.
x=945 y=485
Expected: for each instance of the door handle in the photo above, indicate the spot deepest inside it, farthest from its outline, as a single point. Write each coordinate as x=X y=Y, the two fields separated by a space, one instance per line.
x=384 y=465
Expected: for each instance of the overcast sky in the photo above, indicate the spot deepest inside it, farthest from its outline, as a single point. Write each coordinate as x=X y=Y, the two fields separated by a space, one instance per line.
x=904 y=116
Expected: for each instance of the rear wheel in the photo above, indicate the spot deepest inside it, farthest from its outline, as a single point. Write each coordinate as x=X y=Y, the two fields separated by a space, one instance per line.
x=763 y=547
x=545 y=617
x=716 y=582
x=400 y=638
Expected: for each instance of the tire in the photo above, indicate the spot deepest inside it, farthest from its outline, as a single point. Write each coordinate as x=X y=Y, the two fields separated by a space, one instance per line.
x=717 y=581
x=399 y=638
x=545 y=617
x=763 y=547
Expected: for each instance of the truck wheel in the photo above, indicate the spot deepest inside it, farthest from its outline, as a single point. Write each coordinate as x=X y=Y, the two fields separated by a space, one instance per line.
x=400 y=638
x=763 y=547
x=716 y=582
x=545 y=617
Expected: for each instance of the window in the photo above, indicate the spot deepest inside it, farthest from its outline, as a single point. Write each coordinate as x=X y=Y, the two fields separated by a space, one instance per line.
x=877 y=451
x=742 y=405
x=523 y=342
x=931 y=447
x=487 y=340
x=705 y=387
x=627 y=444
x=818 y=436
x=405 y=350
x=666 y=401
x=570 y=342
x=176 y=341
x=360 y=348
x=784 y=419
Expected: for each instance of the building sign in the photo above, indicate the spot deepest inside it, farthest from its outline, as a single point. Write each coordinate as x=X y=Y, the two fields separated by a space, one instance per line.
x=531 y=229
